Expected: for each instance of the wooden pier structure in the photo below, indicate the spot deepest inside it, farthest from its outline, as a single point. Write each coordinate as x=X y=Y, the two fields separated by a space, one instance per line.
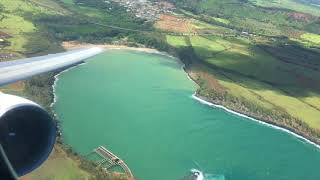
x=112 y=160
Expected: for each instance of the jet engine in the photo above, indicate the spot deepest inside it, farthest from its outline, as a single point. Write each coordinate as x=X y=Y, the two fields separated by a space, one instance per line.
x=27 y=133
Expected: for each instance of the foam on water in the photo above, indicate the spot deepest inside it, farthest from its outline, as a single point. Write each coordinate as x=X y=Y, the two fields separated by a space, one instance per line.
x=205 y=176
x=194 y=96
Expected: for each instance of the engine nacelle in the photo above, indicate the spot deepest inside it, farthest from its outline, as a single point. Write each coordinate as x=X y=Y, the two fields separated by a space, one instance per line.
x=27 y=133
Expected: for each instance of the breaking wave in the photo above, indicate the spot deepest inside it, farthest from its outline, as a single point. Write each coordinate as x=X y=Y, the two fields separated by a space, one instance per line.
x=194 y=96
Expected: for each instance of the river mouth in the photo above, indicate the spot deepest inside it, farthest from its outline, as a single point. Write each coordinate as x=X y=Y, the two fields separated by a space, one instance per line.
x=140 y=106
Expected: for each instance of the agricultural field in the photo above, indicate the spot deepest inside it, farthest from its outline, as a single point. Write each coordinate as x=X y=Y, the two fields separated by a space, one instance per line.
x=23 y=33
x=176 y=41
x=68 y=1
x=289 y=4
x=52 y=5
x=174 y=24
x=268 y=96
x=313 y=38
x=206 y=48
x=189 y=24
x=268 y=64
x=247 y=16
x=267 y=75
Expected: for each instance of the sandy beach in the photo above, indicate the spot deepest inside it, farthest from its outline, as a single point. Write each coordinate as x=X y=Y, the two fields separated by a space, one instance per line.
x=69 y=45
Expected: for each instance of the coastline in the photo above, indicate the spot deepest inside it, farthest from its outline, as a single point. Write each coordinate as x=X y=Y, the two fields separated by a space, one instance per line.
x=201 y=100
x=69 y=45
x=56 y=79
x=88 y=167
x=195 y=96
x=206 y=101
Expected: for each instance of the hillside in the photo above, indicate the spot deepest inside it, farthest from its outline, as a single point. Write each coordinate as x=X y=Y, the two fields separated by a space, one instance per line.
x=266 y=66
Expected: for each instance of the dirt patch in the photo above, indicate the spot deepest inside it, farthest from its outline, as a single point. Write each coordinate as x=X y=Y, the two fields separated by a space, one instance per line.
x=4 y=35
x=18 y=86
x=174 y=24
x=300 y=16
x=210 y=80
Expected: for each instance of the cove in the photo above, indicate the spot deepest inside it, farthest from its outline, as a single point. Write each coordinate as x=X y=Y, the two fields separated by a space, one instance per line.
x=140 y=106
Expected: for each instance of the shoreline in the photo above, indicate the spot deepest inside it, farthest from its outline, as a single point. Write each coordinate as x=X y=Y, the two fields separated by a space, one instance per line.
x=56 y=79
x=75 y=45
x=202 y=101
x=195 y=96
x=71 y=45
x=206 y=101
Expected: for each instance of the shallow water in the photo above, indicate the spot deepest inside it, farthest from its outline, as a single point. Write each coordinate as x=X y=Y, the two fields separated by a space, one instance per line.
x=140 y=107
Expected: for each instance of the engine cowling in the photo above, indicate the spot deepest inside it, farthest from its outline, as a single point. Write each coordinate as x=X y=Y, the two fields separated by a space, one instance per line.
x=27 y=133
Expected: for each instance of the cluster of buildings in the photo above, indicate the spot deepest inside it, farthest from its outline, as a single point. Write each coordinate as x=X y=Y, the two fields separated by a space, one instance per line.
x=5 y=56
x=3 y=36
x=3 y=43
x=145 y=9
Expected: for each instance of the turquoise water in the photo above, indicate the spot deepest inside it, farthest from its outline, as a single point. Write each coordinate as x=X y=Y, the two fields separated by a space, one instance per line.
x=140 y=107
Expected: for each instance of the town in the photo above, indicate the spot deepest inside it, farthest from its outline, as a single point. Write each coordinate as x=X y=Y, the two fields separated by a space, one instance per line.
x=144 y=9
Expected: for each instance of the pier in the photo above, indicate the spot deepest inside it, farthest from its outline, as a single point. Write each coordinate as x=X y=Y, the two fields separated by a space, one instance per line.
x=112 y=160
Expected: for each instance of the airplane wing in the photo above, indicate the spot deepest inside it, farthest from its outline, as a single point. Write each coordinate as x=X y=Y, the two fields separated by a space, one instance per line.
x=27 y=131
x=12 y=71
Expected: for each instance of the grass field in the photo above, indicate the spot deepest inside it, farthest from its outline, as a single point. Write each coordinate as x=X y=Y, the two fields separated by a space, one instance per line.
x=224 y=21
x=176 y=41
x=267 y=96
x=261 y=17
x=24 y=33
x=52 y=5
x=68 y=1
x=206 y=48
x=289 y=4
x=258 y=75
x=58 y=167
x=313 y=38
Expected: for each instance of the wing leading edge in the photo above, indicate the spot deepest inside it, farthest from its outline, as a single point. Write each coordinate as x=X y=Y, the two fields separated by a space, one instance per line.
x=17 y=70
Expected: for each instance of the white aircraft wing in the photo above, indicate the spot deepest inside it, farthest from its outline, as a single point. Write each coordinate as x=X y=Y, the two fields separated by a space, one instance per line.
x=12 y=71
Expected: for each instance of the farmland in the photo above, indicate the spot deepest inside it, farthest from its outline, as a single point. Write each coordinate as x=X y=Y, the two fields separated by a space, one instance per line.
x=23 y=32
x=274 y=79
x=289 y=4
x=176 y=41
x=313 y=38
